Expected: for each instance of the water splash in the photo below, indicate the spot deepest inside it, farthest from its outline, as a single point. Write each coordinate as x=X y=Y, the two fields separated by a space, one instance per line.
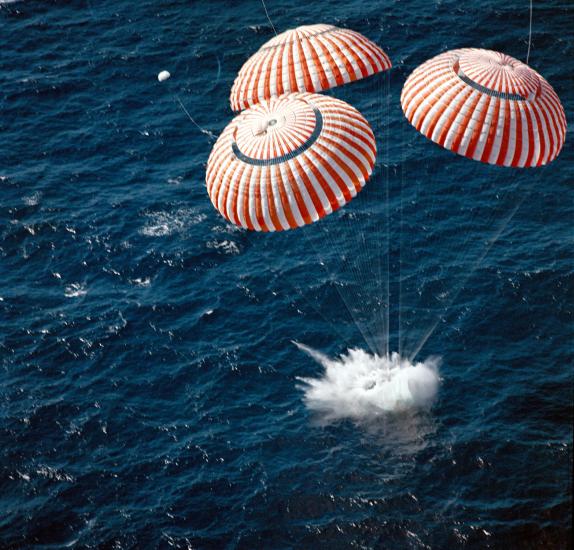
x=359 y=385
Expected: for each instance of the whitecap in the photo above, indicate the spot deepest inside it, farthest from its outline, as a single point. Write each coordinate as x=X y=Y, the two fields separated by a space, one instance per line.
x=161 y=224
x=54 y=474
x=32 y=200
x=228 y=247
x=75 y=290
x=141 y=281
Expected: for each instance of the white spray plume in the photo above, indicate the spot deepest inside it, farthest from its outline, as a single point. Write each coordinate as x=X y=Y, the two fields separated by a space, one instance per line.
x=359 y=385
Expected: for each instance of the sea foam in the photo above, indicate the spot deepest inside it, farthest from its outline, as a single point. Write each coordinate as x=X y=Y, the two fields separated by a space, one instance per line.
x=359 y=385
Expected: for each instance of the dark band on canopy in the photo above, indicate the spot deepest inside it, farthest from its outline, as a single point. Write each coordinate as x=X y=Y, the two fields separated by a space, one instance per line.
x=488 y=91
x=284 y=158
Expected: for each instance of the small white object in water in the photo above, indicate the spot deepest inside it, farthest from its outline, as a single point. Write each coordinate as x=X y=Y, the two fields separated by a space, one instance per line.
x=163 y=75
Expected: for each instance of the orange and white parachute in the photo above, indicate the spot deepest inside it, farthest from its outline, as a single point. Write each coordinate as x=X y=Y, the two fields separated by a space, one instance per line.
x=309 y=58
x=486 y=106
x=290 y=161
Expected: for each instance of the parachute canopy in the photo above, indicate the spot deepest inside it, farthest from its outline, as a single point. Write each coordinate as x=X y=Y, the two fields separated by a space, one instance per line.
x=290 y=161
x=486 y=106
x=309 y=58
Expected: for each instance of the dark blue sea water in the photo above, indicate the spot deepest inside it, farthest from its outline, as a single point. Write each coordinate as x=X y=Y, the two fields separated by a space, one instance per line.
x=149 y=391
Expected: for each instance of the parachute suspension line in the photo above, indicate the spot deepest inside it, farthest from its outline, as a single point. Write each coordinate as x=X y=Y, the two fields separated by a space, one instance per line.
x=447 y=227
x=349 y=294
x=375 y=248
x=345 y=263
x=379 y=251
x=363 y=291
x=349 y=265
x=426 y=210
x=387 y=265
x=463 y=256
x=301 y=294
x=373 y=224
x=464 y=252
x=354 y=264
x=478 y=262
x=401 y=241
x=268 y=18
x=358 y=261
x=298 y=292
x=442 y=270
x=455 y=268
x=350 y=305
x=379 y=244
x=208 y=133
x=374 y=229
x=214 y=85
x=529 y=34
x=386 y=324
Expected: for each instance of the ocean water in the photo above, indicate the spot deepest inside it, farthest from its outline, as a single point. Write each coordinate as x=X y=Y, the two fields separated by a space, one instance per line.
x=151 y=395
